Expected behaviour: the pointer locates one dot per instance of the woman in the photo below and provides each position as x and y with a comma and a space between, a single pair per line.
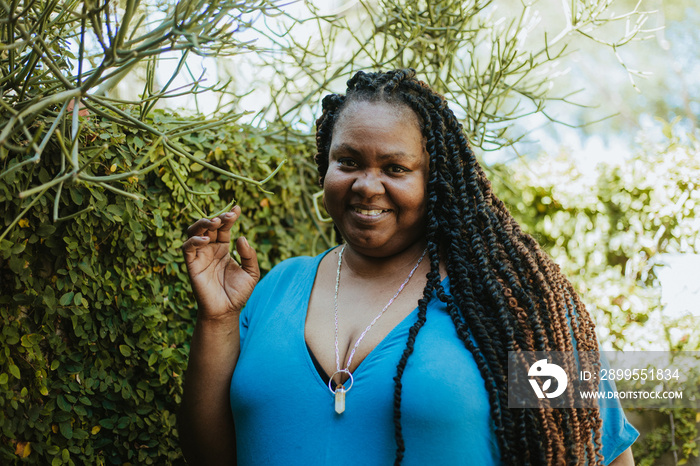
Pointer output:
331, 360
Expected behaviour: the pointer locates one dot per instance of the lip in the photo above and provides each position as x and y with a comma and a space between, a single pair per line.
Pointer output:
368, 213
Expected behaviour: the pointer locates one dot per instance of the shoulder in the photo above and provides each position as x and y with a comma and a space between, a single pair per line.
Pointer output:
294, 272
296, 266
288, 282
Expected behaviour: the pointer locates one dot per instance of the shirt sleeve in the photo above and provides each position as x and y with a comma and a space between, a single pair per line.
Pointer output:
243, 322
617, 433
249, 308
298, 268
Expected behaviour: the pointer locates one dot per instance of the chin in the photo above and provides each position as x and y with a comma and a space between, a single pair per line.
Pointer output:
377, 249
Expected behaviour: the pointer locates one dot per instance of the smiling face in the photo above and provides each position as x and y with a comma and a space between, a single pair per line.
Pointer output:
376, 184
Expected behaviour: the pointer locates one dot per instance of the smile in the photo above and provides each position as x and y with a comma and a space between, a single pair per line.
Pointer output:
371, 213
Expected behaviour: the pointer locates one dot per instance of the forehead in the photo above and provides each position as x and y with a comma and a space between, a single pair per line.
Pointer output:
375, 119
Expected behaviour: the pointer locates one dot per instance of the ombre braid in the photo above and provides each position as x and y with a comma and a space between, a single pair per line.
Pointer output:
506, 294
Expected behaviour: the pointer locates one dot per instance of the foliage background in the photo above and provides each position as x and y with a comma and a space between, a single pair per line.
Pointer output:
97, 310
94, 301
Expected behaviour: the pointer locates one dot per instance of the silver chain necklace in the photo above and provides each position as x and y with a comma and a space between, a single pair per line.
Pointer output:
340, 389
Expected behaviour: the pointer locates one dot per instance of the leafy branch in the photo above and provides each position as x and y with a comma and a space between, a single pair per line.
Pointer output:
41, 89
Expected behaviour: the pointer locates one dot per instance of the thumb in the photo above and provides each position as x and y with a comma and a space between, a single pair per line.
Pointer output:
249, 259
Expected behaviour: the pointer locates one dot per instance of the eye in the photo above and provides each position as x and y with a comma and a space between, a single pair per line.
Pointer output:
397, 169
347, 162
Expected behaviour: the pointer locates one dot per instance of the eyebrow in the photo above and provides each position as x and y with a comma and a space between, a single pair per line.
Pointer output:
345, 147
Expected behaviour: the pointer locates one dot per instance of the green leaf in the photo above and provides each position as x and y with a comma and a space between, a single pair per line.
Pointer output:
115, 210
62, 403
107, 423
14, 370
5, 247
30, 340
85, 267
16, 264
80, 410
125, 350
11, 335
76, 195
49, 297
152, 359
4, 378
66, 298
45, 230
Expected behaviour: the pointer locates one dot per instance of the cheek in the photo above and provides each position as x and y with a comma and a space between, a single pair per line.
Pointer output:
417, 195
419, 205
332, 190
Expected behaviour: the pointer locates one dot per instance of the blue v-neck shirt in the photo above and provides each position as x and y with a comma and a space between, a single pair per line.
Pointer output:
284, 412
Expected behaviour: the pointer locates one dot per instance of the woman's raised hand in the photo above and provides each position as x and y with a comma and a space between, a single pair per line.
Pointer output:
220, 285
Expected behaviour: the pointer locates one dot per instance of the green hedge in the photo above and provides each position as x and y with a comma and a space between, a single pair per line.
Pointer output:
96, 310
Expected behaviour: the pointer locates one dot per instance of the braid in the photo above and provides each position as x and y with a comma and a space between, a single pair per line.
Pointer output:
422, 310
506, 294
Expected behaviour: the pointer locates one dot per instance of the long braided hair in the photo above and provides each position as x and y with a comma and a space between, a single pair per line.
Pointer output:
506, 294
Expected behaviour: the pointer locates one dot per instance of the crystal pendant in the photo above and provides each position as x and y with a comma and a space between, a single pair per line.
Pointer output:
340, 399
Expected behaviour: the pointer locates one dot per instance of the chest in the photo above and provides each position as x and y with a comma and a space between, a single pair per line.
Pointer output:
360, 316
444, 407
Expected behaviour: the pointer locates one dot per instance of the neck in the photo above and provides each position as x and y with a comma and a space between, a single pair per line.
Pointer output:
370, 267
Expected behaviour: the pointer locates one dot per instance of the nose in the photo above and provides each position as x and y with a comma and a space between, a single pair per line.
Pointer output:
368, 184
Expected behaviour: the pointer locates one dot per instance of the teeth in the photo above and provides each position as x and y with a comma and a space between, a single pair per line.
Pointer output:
368, 212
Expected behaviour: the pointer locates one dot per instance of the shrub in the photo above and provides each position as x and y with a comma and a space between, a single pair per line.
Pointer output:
96, 309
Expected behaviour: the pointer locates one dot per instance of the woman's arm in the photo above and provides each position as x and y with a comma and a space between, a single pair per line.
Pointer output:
221, 287
625, 459
205, 423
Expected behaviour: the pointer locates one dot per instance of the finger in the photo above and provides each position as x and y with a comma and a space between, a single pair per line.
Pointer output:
249, 260
213, 229
205, 227
189, 248
227, 221
199, 228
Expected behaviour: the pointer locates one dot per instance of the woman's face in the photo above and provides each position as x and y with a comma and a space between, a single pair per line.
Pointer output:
376, 184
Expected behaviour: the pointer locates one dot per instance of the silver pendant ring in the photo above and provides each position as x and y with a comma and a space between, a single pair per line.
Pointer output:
342, 371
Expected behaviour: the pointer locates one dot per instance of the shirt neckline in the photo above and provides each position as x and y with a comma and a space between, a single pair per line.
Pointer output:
405, 322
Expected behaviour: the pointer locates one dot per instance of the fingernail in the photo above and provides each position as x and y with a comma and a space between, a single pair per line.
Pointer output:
245, 241
228, 214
